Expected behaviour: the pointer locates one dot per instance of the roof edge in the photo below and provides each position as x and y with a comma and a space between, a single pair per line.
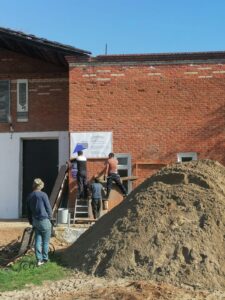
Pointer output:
150, 57
43, 42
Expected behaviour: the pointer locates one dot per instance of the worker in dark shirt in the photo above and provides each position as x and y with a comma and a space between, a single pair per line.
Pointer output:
39, 216
96, 197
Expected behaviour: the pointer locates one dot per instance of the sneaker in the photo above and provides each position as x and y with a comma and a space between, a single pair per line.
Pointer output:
40, 263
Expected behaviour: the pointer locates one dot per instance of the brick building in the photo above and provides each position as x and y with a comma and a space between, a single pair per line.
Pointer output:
34, 91
161, 108
157, 109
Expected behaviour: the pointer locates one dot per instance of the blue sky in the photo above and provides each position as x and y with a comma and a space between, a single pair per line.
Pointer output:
127, 26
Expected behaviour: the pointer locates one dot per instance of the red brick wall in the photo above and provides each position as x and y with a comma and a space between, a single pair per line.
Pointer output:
48, 92
153, 111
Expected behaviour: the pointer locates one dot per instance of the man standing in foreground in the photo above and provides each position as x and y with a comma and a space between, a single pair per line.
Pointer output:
112, 175
39, 216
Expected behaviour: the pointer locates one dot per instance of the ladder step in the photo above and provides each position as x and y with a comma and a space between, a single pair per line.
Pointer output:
81, 209
83, 219
82, 200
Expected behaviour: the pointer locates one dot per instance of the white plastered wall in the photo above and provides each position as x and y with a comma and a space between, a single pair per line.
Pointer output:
11, 167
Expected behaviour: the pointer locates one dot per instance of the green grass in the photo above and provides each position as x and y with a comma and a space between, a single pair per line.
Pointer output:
25, 273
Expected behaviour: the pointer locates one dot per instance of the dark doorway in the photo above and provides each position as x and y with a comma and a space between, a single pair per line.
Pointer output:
40, 160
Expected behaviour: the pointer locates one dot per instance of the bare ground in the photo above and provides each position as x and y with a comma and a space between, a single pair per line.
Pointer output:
189, 201
83, 287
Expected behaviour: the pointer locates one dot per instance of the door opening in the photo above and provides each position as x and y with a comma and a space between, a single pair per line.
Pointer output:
40, 160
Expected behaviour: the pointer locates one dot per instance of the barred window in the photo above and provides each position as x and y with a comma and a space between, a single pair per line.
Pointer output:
22, 100
4, 100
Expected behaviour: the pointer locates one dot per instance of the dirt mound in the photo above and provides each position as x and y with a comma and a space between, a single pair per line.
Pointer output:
171, 228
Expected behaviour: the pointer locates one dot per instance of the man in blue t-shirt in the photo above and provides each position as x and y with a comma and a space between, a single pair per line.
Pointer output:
39, 215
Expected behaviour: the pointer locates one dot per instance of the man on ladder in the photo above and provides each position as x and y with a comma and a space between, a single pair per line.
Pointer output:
81, 175
78, 167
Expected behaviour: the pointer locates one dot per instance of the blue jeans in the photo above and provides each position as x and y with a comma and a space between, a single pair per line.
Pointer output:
96, 206
42, 230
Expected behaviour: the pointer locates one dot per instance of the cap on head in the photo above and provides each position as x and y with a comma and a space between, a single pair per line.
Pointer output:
38, 184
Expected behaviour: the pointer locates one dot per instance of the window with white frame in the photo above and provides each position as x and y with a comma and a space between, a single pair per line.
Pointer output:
4, 101
124, 168
22, 100
186, 156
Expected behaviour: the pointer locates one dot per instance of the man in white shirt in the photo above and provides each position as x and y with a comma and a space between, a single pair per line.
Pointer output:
81, 175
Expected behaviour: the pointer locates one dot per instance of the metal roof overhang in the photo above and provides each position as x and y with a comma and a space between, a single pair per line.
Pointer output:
40, 48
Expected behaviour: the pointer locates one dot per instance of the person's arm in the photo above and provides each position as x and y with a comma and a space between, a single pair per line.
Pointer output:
106, 170
47, 206
68, 163
117, 162
91, 188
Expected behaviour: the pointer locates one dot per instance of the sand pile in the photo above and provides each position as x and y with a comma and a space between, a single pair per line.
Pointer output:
171, 228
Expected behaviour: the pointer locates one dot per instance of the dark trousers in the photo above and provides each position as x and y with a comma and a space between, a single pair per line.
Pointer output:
96, 206
113, 177
82, 185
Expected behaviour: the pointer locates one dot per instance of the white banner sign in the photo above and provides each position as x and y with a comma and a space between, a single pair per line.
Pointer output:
93, 144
